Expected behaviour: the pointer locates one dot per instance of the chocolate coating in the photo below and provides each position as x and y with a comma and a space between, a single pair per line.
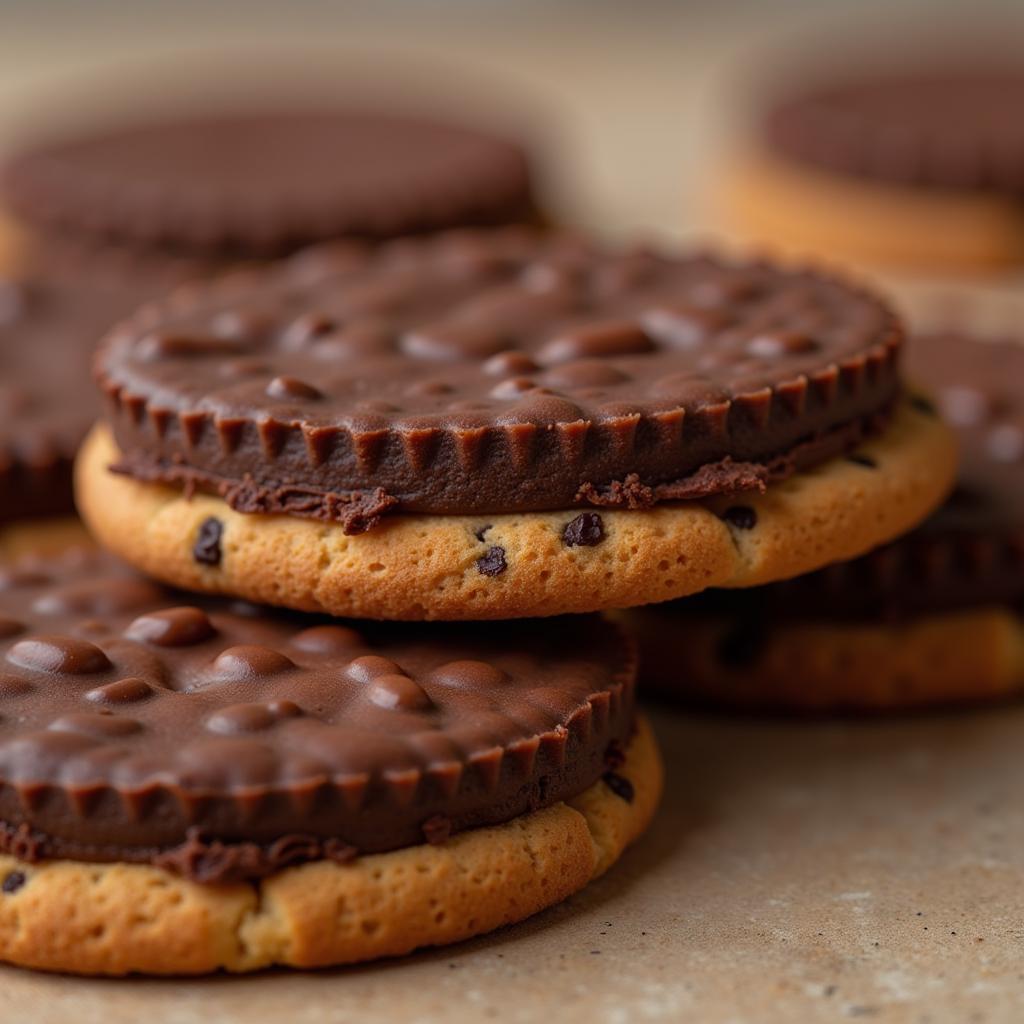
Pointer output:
262, 184
951, 128
50, 322
224, 740
495, 372
970, 552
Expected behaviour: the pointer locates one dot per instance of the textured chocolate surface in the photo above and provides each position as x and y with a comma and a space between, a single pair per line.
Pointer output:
270, 183
50, 323
968, 553
953, 129
495, 372
223, 741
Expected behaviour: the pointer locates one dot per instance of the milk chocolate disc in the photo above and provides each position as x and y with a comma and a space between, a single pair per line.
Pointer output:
970, 553
499, 371
945, 128
248, 184
226, 741
50, 322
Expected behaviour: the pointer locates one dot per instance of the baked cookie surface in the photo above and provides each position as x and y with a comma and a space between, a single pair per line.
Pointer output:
933, 618
922, 166
117, 918
530, 564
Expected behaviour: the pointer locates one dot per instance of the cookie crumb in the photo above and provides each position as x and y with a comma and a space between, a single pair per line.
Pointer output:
493, 562
13, 881
620, 786
586, 530
206, 550
743, 517
437, 829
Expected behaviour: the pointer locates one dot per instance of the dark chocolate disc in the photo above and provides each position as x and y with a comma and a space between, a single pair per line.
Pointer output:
970, 552
498, 371
249, 184
51, 320
143, 724
951, 128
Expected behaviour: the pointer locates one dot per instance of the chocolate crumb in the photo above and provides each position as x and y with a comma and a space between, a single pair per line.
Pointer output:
862, 460
743, 517
437, 829
586, 530
339, 852
620, 786
922, 404
13, 881
206, 550
493, 562
741, 646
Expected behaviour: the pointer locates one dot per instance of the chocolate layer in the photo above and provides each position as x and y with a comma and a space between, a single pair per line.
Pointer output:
951, 128
50, 322
248, 184
494, 372
970, 552
223, 740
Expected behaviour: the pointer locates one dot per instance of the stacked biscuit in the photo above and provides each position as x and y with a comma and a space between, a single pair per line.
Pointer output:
442, 458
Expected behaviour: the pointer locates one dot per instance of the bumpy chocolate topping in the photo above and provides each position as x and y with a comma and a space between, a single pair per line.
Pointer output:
943, 128
223, 740
495, 372
968, 553
50, 322
269, 183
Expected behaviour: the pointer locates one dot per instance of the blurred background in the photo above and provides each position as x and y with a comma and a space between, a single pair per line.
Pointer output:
629, 104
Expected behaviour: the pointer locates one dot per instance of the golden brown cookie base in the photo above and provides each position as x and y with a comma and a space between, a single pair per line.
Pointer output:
426, 567
42, 537
128, 918
956, 658
806, 212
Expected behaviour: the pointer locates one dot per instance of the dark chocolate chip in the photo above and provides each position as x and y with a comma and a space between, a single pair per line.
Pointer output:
922, 404
743, 517
620, 786
13, 881
586, 530
493, 562
206, 550
741, 646
437, 829
862, 460
614, 756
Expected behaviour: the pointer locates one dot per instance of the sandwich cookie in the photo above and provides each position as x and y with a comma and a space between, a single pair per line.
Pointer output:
502, 424
50, 322
187, 786
243, 185
934, 618
922, 168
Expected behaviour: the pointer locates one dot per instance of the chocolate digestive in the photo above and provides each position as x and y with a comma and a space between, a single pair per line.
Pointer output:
953, 128
971, 551
495, 372
268, 183
50, 321
225, 741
